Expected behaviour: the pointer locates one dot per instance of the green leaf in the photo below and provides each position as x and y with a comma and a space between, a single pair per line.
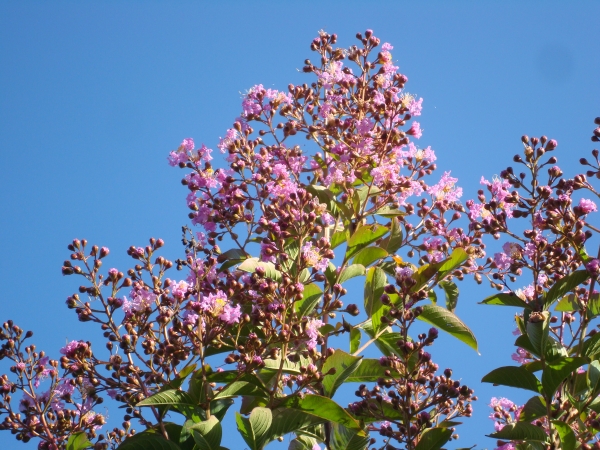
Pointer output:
344, 365
354, 339
369, 370
78, 441
394, 241
385, 341
242, 388
310, 297
323, 409
567, 437
555, 373
524, 342
147, 440
251, 264
173, 397
504, 299
520, 431
451, 291
433, 438
537, 332
325, 195
458, 256
353, 270
255, 429
567, 304
231, 257
302, 443
591, 347
389, 212
344, 439
564, 285
533, 409
207, 434
593, 306
363, 236
447, 321
423, 274
369, 255
513, 376
594, 377
338, 238
376, 281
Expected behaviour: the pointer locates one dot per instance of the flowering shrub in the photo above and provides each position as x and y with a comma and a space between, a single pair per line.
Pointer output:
260, 318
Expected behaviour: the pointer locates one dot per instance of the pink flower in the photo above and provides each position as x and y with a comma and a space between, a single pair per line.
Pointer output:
179, 289
69, 349
521, 356
415, 107
313, 258
445, 189
415, 130
231, 314
312, 331
187, 144
587, 206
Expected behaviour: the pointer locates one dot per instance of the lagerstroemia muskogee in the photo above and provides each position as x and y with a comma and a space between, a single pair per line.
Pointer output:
324, 183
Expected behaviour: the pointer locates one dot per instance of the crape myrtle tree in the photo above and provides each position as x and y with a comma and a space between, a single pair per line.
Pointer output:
260, 311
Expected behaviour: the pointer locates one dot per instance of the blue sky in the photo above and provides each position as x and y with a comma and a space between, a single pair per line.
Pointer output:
93, 95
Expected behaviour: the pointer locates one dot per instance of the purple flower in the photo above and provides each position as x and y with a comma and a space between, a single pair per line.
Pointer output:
231, 314
593, 267
587, 206
69, 349
312, 331
415, 130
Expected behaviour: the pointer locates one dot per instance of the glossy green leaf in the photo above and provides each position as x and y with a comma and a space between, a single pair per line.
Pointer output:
231, 257
255, 429
504, 299
355, 336
353, 270
376, 281
322, 408
537, 332
303, 443
170, 397
567, 437
535, 408
78, 441
449, 322
594, 377
343, 365
147, 440
513, 376
342, 438
568, 303
591, 347
520, 431
207, 435
593, 306
369, 255
338, 238
242, 388
251, 264
433, 438
385, 341
325, 195
394, 241
310, 298
363, 236
451, 292
524, 342
565, 285
456, 259
369, 370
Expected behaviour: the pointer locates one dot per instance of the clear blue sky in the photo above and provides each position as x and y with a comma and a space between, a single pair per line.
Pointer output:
94, 94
